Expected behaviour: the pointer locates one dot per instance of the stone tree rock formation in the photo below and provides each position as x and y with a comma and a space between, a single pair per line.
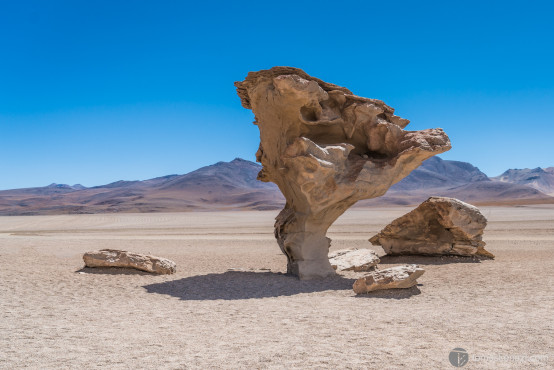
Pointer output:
326, 148
438, 226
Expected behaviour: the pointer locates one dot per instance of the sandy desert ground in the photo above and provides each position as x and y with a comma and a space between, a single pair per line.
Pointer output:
55, 314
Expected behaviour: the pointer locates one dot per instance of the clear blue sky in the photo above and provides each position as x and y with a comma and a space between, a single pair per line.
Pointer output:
96, 91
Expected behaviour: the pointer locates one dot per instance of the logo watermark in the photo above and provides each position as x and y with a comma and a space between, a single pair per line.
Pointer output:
459, 357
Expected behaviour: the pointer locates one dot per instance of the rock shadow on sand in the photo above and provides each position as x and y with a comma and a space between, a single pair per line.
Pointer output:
392, 293
112, 271
427, 260
234, 285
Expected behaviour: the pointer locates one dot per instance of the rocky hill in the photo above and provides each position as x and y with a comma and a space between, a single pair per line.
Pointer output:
541, 179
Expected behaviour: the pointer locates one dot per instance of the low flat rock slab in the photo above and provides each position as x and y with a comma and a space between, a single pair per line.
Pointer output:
353, 259
118, 258
438, 226
398, 277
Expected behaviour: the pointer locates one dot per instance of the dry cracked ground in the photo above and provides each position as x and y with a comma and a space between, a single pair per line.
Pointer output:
56, 314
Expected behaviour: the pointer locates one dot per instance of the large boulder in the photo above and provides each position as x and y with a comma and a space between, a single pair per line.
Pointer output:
438, 226
392, 278
326, 148
118, 258
353, 260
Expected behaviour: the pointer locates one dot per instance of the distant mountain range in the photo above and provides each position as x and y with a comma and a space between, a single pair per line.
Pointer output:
538, 178
459, 180
233, 185
224, 185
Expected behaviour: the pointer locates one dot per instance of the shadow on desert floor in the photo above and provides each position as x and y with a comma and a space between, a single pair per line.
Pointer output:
427, 260
392, 293
111, 271
245, 285
234, 285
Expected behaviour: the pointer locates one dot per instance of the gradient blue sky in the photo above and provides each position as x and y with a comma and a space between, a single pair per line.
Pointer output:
96, 91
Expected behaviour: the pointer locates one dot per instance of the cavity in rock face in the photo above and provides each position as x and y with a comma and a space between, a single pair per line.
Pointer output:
326, 148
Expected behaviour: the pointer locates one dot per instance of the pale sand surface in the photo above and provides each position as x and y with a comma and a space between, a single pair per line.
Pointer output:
52, 316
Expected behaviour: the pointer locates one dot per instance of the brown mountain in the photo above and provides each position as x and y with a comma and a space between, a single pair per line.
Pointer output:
233, 185
224, 185
461, 180
541, 179
438, 173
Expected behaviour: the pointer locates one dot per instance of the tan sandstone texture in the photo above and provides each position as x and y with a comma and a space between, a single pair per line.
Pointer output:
392, 278
326, 148
117, 258
438, 226
353, 259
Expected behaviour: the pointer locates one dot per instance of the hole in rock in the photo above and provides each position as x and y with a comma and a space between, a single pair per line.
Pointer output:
309, 114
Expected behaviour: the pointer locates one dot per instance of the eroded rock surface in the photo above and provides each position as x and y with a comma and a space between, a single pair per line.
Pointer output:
392, 278
118, 258
326, 148
438, 226
353, 260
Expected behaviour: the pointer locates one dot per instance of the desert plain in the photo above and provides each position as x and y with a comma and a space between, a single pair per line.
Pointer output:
230, 305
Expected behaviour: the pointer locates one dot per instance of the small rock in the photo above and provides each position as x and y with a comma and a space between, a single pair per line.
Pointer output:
353, 259
118, 258
392, 278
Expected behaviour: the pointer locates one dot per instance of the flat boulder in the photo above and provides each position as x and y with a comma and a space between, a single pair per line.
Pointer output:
119, 258
397, 277
353, 259
438, 226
